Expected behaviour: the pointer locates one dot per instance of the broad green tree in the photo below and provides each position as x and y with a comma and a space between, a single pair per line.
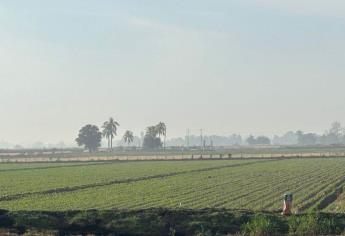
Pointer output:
152, 131
151, 141
90, 137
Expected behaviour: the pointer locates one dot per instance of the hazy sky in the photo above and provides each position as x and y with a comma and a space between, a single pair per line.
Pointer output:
228, 66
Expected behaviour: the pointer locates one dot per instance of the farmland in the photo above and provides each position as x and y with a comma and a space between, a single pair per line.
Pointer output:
339, 204
218, 184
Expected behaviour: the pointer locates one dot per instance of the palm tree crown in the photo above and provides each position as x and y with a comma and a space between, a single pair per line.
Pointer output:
110, 130
128, 137
161, 129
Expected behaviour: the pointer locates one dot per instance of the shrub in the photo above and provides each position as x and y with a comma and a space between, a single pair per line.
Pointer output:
85, 219
35, 220
262, 225
313, 224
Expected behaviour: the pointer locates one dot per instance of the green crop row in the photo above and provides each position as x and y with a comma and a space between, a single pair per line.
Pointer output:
258, 185
25, 180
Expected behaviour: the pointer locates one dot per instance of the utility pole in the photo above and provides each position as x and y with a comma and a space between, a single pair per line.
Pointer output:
187, 137
201, 140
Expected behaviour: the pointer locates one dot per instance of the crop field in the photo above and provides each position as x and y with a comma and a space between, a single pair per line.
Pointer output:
231, 184
338, 205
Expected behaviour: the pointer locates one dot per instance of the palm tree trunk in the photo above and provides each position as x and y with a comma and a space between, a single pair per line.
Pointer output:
111, 143
164, 141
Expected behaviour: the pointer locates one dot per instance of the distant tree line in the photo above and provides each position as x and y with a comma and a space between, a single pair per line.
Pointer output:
154, 137
209, 140
90, 136
261, 140
334, 136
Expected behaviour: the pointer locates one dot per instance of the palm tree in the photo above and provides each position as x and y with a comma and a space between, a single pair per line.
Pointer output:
128, 137
109, 131
161, 129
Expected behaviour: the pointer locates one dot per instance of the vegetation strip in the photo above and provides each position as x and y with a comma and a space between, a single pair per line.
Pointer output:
56, 167
168, 157
161, 221
93, 185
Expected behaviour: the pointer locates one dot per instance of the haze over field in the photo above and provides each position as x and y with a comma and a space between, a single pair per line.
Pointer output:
259, 66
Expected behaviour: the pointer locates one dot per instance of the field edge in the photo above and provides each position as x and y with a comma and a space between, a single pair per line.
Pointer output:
160, 221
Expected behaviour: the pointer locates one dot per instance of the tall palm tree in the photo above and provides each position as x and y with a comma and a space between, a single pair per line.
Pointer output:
109, 131
128, 137
162, 130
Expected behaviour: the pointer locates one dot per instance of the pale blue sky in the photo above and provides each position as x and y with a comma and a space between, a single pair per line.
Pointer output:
228, 66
